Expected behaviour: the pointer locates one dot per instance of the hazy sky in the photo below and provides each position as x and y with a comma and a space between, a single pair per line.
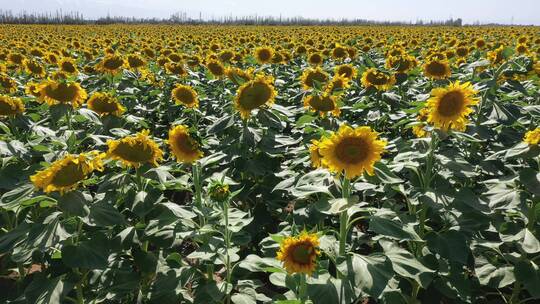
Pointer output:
501, 11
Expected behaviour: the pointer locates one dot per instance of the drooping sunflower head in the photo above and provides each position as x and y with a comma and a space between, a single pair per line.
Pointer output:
437, 69
346, 70
54, 92
239, 76
323, 104
105, 104
11, 106
135, 61
496, 56
449, 107
7, 84
352, 151
67, 173
299, 253
264, 54
176, 68
15, 58
254, 94
338, 85
532, 137
380, 80
111, 64
68, 66
185, 95
314, 153
215, 67
135, 150
419, 129
183, 145
311, 77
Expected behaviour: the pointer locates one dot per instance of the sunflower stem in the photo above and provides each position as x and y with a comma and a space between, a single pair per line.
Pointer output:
344, 217
302, 288
227, 245
196, 171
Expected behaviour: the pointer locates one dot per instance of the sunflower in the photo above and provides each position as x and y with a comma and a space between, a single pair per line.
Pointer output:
315, 59
253, 94
176, 68
323, 104
401, 64
346, 70
449, 107
351, 150
135, 62
7, 84
215, 67
53, 92
338, 84
184, 147
339, 52
418, 129
312, 76
532, 137
314, 153
111, 63
10, 106
32, 88
185, 95
67, 173
378, 79
105, 104
135, 150
496, 56
264, 54
239, 76
437, 69
299, 253
34, 68
68, 66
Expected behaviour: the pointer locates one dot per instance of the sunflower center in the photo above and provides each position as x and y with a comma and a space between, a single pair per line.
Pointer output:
264, 54
451, 103
324, 104
255, 95
185, 96
185, 143
62, 92
216, 68
302, 253
68, 67
68, 175
315, 76
135, 152
345, 71
105, 105
436, 68
5, 108
352, 150
112, 63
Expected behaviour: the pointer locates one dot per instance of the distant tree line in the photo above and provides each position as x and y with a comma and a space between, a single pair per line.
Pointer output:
59, 17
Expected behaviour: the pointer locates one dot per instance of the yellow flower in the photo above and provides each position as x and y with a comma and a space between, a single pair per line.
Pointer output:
315, 59
237, 75
135, 150
135, 62
10, 106
310, 76
352, 151
34, 68
378, 79
53, 92
532, 137
111, 64
68, 66
437, 69
418, 129
299, 253
496, 56
185, 95
338, 84
253, 94
264, 54
323, 104
32, 88
314, 153
7, 84
105, 104
216, 68
449, 107
184, 147
65, 174
176, 68
346, 70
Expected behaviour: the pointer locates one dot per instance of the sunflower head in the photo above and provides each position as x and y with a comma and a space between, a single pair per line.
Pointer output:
67, 173
449, 107
184, 145
34, 68
135, 150
496, 56
264, 54
68, 66
323, 104
219, 191
378, 79
299, 253
185, 95
315, 59
352, 151
239, 76
312, 76
437, 69
7, 84
111, 64
11, 106
314, 153
215, 67
54, 92
105, 104
176, 68
338, 85
418, 129
135, 61
532, 137
254, 94
32, 89
346, 70
339, 52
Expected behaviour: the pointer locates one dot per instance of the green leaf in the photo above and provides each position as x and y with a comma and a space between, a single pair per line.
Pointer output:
530, 242
531, 180
89, 254
43, 290
405, 264
528, 273
392, 229
451, 245
104, 214
368, 273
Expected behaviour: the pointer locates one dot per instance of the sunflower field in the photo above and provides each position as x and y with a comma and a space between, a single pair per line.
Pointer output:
269, 164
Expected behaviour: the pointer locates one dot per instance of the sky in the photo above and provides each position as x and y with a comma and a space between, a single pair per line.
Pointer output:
485, 11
